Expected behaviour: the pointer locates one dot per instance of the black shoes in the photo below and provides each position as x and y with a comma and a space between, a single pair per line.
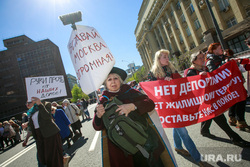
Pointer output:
209, 135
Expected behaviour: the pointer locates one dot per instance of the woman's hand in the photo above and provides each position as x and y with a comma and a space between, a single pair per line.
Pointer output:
125, 108
36, 100
100, 110
203, 73
167, 78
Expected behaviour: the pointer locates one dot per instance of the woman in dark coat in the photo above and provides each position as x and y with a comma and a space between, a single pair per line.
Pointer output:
46, 133
215, 60
141, 104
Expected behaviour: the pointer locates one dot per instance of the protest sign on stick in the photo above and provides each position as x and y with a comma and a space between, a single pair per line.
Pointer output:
45, 87
186, 101
90, 56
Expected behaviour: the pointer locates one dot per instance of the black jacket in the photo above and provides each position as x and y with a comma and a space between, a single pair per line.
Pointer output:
214, 62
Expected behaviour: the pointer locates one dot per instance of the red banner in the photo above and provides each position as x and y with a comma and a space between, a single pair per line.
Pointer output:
186, 101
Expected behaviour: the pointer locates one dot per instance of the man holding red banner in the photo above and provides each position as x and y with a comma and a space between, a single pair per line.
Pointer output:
186, 101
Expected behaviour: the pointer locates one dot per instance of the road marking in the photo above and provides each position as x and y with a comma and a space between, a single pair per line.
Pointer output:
93, 144
7, 162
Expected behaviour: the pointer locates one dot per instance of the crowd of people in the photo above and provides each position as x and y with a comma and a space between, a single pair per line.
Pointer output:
163, 69
52, 124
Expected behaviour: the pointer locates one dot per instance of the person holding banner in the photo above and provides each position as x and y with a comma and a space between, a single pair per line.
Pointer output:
215, 59
134, 103
46, 133
163, 69
236, 113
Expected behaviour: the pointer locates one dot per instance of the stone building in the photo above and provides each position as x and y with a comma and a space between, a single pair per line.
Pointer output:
185, 26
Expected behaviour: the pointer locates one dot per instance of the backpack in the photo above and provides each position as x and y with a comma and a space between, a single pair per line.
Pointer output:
128, 133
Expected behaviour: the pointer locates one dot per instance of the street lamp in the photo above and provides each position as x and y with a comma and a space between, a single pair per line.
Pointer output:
71, 18
132, 70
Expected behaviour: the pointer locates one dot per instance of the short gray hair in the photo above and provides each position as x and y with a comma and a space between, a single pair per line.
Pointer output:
107, 78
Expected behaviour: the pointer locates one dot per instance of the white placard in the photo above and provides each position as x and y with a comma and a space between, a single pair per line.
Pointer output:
90, 56
45, 87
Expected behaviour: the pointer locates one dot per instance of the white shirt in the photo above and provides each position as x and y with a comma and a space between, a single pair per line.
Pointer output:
35, 120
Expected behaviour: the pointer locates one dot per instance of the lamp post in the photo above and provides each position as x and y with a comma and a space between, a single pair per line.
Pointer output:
217, 29
72, 18
132, 70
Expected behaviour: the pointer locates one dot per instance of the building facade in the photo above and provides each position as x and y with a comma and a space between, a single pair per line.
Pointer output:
72, 81
185, 26
25, 58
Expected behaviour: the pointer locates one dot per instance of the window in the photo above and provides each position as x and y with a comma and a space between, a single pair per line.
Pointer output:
176, 25
223, 4
171, 13
178, 5
197, 24
188, 31
183, 19
231, 22
181, 39
248, 12
192, 46
191, 8
238, 44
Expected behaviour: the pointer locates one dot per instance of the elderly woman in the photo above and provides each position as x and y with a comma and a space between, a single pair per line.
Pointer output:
73, 112
133, 101
46, 133
163, 69
215, 59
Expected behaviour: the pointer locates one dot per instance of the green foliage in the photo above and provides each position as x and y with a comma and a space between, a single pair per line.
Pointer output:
138, 76
78, 94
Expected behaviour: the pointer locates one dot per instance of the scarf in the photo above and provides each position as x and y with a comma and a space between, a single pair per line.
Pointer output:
32, 110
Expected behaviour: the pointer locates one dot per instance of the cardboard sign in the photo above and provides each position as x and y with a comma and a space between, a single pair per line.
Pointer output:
90, 56
45, 87
186, 101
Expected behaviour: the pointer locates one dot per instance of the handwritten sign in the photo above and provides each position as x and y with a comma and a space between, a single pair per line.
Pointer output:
90, 56
45, 87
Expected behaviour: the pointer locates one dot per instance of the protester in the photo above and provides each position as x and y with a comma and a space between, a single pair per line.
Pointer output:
16, 128
80, 106
73, 112
46, 133
1, 137
25, 123
163, 69
215, 59
237, 111
55, 104
63, 123
140, 104
9, 133
198, 68
85, 108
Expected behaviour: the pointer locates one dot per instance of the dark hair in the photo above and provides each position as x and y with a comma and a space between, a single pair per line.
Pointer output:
230, 53
212, 47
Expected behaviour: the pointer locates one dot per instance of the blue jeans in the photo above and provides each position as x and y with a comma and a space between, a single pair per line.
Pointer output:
181, 135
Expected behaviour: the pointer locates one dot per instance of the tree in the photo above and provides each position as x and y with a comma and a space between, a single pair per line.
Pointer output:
78, 94
138, 76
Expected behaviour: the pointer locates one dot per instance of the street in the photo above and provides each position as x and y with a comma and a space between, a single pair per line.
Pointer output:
217, 152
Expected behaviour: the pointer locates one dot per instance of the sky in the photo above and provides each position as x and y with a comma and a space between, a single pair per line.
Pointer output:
115, 21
